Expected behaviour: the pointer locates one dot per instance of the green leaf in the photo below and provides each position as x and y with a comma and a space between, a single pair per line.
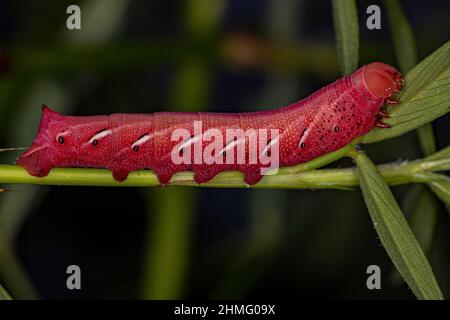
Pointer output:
402, 36
440, 155
422, 212
406, 53
4, 295
428, 165
425, 97
426, 139
441, 187
423, 215
345, 17
420, 204
394, 232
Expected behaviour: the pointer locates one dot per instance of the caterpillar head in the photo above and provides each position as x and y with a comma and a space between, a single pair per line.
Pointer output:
381, 80
50, 144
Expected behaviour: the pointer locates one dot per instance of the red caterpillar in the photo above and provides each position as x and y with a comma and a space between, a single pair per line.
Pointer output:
323, 122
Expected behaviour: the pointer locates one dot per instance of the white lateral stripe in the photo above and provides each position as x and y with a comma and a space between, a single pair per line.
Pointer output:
190, 141
62, 134
141, 140
316, 118
232, 144
275, 140
305, 135
100, 135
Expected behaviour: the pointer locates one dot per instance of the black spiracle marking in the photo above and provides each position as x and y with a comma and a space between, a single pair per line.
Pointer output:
95, 141
61, 140
268, 153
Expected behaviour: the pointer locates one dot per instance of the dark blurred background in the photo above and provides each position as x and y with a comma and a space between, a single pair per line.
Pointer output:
193, 55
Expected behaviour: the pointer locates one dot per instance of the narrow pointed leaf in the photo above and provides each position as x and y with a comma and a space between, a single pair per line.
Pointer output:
406, 52
422, 211
426, 139
402, 36
444, 153
441, 187
395, 233
345, 17
423, 216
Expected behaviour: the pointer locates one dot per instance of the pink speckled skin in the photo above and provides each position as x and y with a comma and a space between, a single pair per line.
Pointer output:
323, 122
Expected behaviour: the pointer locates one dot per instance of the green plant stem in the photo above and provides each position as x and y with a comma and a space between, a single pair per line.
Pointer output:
394, 174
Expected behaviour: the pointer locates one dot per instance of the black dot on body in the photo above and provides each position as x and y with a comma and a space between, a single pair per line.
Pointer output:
95, 142
336, 129
60, 139
302, 145
135, 148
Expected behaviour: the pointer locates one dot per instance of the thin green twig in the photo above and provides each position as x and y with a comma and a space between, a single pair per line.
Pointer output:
394, 174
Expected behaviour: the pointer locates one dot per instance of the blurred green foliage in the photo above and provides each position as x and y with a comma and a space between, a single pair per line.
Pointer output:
315, 240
